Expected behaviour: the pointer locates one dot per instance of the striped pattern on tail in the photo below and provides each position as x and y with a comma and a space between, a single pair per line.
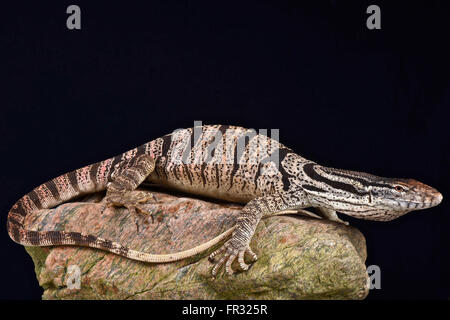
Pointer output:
89, 179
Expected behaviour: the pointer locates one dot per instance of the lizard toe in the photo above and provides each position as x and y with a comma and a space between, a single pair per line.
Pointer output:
144, 211
241, 261
217, 265
251, 253
230, 260
212, 256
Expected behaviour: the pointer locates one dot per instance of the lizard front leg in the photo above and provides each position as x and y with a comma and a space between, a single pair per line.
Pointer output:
331, 215
239, 244
129, 175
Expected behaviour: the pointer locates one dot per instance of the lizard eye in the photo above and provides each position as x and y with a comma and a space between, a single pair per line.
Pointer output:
399, 188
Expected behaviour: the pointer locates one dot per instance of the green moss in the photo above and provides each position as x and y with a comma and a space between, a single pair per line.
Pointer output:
38, 255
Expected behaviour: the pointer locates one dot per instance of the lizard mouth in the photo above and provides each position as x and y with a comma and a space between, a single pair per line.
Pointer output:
378, 215
428, 202
417, 202
437, 199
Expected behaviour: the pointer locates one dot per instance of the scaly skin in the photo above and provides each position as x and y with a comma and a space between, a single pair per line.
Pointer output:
228, 163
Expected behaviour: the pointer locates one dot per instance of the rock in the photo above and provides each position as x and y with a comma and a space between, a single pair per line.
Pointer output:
299, 257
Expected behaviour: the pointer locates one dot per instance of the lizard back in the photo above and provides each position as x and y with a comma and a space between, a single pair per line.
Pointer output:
224, 162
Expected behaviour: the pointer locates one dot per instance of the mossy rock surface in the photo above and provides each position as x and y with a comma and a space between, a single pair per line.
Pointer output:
299, 257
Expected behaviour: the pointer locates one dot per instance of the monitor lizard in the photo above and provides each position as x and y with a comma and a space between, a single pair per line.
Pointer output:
223, 162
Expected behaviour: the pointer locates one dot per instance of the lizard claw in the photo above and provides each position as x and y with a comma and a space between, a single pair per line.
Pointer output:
230, 255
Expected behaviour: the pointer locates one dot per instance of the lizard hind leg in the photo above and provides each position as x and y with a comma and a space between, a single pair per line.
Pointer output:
120, 192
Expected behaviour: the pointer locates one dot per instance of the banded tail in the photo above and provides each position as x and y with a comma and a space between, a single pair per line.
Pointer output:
89, 179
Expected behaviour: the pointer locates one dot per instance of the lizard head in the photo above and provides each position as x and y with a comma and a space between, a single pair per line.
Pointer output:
400, 196
367, 196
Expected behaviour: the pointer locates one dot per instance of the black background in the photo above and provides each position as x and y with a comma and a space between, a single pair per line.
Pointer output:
342, 95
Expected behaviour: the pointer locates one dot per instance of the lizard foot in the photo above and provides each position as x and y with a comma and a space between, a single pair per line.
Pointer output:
132, 200
230, 254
